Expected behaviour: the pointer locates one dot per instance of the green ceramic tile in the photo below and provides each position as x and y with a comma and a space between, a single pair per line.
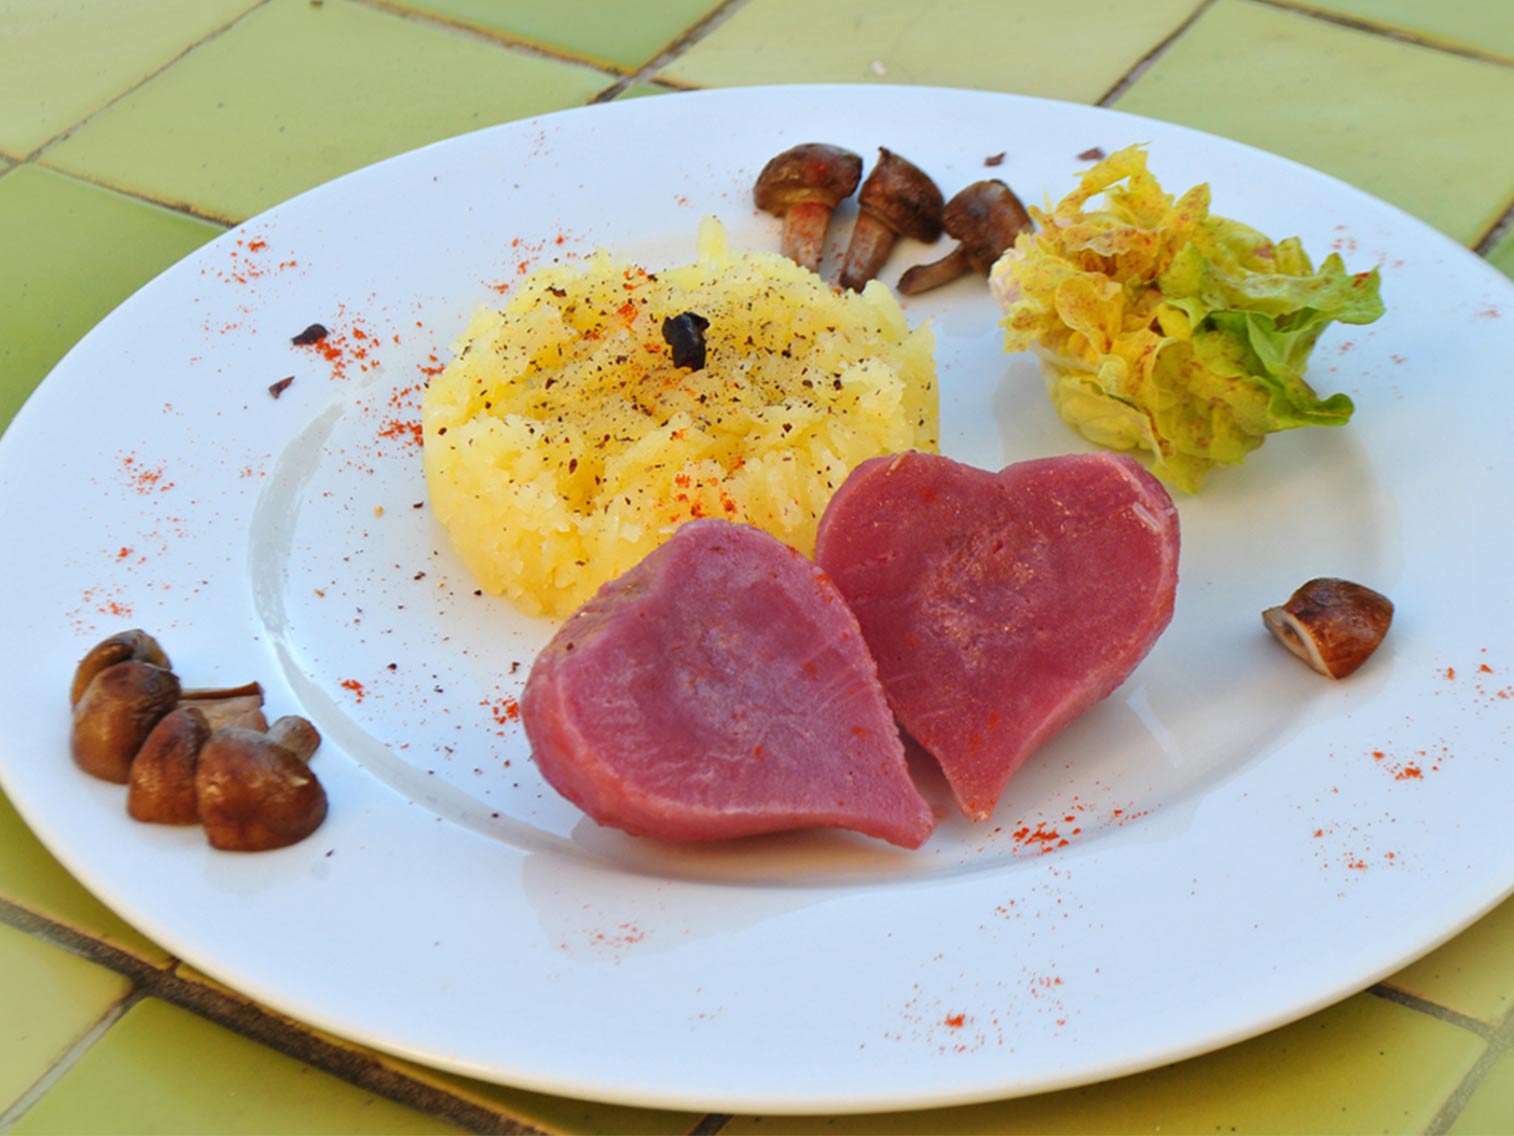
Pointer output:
982, 44
606, 32
1501, 255
32, 878
1485, 26
1490, 1110
164, 1070
296, 94
59, 63
72, 253
1366, 1065
49, 999
1473, 974
558, 1115
1407, 123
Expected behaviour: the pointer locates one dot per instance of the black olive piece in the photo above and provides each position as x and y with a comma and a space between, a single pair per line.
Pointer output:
685, 335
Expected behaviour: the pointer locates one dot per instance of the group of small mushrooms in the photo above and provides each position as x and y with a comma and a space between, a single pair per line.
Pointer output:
806, 183
187, 756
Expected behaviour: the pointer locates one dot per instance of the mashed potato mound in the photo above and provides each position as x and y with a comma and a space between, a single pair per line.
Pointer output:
562, 445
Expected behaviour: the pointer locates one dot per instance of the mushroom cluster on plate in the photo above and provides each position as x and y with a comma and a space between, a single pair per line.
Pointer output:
804, 185
193, 756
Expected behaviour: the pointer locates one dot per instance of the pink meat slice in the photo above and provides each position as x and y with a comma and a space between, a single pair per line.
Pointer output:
721, 688
1001, 606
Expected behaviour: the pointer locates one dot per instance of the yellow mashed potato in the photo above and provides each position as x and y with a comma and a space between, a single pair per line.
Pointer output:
562, 445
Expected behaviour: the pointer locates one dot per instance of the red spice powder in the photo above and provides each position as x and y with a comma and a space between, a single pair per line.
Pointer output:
406, 430
344, 349
503, 710
955, 1021
248, 265
1039, 837
357, 689
142, 478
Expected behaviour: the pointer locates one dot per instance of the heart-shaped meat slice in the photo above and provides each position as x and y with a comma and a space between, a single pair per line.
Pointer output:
1000, 606
720, 688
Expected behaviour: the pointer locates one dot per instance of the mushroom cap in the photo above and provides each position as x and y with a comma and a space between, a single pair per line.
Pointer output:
116, 712
811, 171
903, 197
1334, 625
123, 645
985, 217
255, 794
160, 788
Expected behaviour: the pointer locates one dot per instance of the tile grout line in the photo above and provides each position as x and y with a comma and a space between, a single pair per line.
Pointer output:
70, 1057
484, 35
1499, 1045
675, 47
341, 1060
1143, 64
1497, 1041
1390, 993
1387, 32
182, 208
711, 1124
1501, 227
213, 34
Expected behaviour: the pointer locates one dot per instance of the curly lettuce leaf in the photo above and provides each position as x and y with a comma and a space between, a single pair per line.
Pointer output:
1169, 330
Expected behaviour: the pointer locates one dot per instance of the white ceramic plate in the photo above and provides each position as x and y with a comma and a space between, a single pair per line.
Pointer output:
1228, 843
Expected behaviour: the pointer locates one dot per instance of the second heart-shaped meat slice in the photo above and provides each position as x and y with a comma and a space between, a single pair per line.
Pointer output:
1001, 606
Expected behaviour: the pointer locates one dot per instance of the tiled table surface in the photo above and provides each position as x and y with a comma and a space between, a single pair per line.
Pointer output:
132, 131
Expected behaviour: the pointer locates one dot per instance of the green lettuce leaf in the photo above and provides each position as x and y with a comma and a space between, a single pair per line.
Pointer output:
1168, 330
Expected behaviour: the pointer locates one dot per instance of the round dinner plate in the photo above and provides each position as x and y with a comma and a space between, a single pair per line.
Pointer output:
1227, 843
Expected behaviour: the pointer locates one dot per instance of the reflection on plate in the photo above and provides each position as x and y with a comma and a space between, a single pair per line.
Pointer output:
1226, 801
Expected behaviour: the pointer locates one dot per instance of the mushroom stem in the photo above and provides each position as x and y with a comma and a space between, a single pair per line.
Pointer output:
872, 241
924, 277
803, 236
228, 705
295, 734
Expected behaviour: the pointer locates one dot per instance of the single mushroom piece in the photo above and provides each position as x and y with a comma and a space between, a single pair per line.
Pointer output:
228, 705
803, 185
161, 786
255, 791
123, 645
986, 217
117, 710
897, 200
1333, 625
